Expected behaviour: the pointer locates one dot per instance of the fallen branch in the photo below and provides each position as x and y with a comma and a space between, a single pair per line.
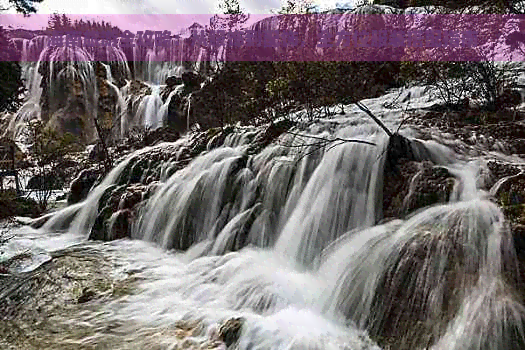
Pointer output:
376, 119
322, 143
332, 140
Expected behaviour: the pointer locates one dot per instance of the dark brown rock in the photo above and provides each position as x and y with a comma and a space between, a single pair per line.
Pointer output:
120, 225
413, 186
230, 331
173, 81
81, 186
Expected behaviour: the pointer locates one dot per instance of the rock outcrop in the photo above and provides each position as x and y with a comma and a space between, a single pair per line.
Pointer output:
416, 185
82, 184
411, 181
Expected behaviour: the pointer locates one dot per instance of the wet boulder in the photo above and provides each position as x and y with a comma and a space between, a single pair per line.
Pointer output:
230, 331
401, 320
270, 134
164, 134
510, 195
81, 185
97, 153
497, 170
119, 206
138, 88
119, 225
173, 81
177, 113
415, 185
191, 80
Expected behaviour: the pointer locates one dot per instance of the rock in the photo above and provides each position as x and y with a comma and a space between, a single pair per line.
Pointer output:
230, 331
508, 98
173, 81
518, 234
511, 197
81, 186
120, 225
191, 80
118, 210
58, 287
401, 320
176, 119
165, 134
400, 148
138, 88
272, 132
501, 130
413, 186
499, 170
73, 119
87, 295
97, 153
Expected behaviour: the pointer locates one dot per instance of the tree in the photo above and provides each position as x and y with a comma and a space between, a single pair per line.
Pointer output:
47, 150
234, 19
21, 6
54, 23
231, 7
12, 86
457, 82
10, 70
484, 6
298, 7
65, 21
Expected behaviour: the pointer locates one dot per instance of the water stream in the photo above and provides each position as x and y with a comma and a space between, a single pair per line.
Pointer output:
291, 239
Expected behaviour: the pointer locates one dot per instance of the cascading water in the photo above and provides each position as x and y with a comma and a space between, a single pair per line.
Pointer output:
289, 237
62, 84
149, 109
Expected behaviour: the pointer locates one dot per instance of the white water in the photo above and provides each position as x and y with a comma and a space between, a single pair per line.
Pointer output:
311, 267
74, 64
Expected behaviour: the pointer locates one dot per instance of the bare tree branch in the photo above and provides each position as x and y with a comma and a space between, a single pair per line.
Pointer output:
332, 140
376, 119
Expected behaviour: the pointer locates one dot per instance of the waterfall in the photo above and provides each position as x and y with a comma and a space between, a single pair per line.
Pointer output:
63, 78
149, 109
188, 113
290, 236
340, 196
121, 108
79, 218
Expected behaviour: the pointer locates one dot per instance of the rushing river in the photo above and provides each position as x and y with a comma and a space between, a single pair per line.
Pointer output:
316, 268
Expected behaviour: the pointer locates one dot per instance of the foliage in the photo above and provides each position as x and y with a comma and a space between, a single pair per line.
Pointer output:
234, 19
11, 88
21, 6
13, 205
486, 6
457, 82
47, 150
313, 85
259, 92
299, 7
231, 7
62, 24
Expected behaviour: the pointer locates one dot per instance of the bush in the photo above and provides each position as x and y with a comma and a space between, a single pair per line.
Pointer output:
13, 205
455, 83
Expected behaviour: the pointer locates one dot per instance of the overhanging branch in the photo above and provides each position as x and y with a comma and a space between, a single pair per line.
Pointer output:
376, 119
